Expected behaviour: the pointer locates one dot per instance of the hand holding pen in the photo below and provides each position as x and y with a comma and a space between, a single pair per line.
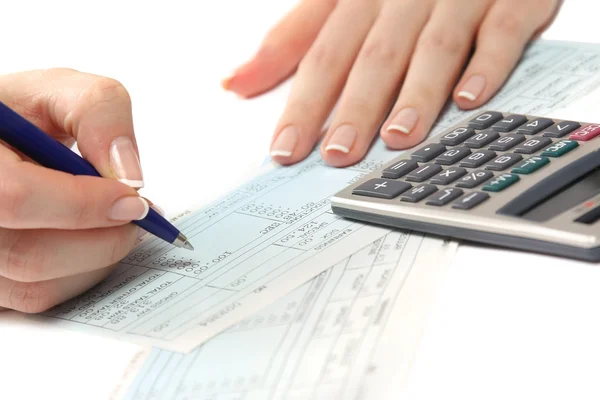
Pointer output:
63, 224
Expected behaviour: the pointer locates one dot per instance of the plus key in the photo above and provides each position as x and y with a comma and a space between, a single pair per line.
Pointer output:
586, 133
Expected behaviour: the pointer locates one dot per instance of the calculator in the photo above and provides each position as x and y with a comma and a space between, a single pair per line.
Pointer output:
514, 181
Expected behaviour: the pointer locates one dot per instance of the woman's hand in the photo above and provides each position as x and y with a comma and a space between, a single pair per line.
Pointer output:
59, 233
365, 52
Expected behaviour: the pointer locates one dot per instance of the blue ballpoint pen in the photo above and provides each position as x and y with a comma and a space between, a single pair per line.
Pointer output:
49, 152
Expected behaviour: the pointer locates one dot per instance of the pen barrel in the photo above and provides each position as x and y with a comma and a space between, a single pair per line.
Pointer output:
22, 135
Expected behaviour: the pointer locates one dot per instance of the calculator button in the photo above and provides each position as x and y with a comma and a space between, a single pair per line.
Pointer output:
481, 139
452, 156
507, 142
530, 165
509, 123
501, 182
444, 196
586, 133
533, 145
560, 148
457, 136
477, 159
473, 179
429, 152
382, 188
485, 120
418, 193
448, 176
423, 173
470, 200
561, 129
504, 161
535, 126
399, 169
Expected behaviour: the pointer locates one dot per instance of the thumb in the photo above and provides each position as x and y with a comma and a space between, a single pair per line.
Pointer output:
96, 111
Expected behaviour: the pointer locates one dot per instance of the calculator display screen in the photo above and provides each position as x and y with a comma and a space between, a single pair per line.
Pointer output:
570, 196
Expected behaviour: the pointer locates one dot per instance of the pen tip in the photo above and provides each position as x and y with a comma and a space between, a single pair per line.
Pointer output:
188, 245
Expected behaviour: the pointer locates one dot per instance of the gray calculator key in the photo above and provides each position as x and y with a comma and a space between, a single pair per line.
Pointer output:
561, 129
429, 152
474, 178
507, 142
452, 156
470, 200
457, 136
448, 176
418, 193
444, 196
423, 173
477, 159
482, 139
535, 126
485, 120
382, 188
509, 123
532, 145
399, 169
504, 161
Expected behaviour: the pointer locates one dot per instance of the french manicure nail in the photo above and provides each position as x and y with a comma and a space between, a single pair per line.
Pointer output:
404, 121
472, 88
125, 163
130, 208
285, 142
342, 139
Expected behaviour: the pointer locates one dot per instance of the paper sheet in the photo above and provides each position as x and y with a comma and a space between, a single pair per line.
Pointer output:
277, 232
329, 339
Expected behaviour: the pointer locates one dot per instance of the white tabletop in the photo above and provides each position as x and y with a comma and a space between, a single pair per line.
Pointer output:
506, 325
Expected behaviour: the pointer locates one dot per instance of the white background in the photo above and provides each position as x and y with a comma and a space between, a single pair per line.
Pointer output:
503, 327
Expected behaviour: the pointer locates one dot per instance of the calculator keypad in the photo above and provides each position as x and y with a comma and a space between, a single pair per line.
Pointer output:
467, 165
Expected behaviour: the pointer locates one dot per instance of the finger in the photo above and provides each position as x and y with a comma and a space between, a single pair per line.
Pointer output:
373, 81
320, 79
281, 50
94, 110
503, 35
441, 51
38, 255
34, 197
37, 297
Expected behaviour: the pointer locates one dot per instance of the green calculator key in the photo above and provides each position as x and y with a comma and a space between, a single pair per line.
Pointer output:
501, 182
530, 165
560, 148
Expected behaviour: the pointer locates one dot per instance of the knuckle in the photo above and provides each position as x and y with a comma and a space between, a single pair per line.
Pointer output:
358, 108
380, 52
30, 298
13, 195
104, 89
320, 57
83, 206
23, 262
508, 23
444, 40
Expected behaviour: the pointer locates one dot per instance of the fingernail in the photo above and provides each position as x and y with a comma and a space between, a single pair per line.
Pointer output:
130, 208
342, 139
125, 162
285, 142
472, 87
404, 121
